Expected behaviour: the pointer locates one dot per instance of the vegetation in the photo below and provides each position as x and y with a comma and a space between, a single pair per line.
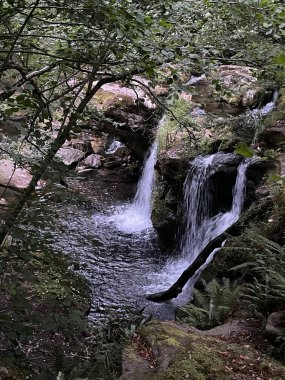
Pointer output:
212, 306
56, 55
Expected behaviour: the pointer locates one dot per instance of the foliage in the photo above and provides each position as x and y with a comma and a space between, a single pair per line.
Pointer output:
267, 290
211, 307
43, 324
244, 150
173, 122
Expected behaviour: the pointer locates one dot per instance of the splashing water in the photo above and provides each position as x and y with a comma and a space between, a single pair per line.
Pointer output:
265, 110
136, 217
115, 145
200, 228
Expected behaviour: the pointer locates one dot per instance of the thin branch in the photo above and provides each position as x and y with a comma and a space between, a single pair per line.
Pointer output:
21, 30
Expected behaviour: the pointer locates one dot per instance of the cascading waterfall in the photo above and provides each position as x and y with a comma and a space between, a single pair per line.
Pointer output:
199, 226
258, 113
204, 229
137, 216
142, 200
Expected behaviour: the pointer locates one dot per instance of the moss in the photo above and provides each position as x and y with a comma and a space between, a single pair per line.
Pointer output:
107, 99
186, 355
199, 364
172, 342
160, 211
131, 354
168, 131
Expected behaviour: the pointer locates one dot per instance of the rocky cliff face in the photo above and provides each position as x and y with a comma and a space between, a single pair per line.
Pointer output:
231, 125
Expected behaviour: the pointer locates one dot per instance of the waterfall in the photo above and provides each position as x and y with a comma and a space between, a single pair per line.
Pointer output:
142, 200
258, 113
199, 227
136, 217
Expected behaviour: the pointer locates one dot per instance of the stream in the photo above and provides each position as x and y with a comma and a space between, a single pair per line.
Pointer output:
118, 263
111, 240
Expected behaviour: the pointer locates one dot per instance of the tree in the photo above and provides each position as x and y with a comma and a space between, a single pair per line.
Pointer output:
56, 55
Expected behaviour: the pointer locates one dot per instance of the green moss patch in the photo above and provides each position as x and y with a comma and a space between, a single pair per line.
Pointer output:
200, 357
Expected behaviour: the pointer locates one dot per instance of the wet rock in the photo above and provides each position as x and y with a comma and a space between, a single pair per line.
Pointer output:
274, 136
112, 162
262, 191
94, 161
70, 156
18, 179
275, 323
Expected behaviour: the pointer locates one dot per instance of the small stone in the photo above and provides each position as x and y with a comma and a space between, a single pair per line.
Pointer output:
94, 161
3, 202
275, 323
3, 371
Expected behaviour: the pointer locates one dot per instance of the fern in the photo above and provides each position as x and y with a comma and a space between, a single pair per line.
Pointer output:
266, 292
212, 307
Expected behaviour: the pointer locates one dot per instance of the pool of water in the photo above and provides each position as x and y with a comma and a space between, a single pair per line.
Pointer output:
120, 267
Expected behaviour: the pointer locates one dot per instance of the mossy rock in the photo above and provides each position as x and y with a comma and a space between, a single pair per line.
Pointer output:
168, 351
106, 99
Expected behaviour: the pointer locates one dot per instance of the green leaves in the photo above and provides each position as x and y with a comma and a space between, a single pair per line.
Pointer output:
244, 150
280, 60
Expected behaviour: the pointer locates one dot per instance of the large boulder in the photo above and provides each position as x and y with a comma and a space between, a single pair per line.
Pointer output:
168, 351
18, 178
243, 87
70, 156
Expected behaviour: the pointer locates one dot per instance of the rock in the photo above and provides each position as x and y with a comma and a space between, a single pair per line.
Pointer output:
19, 179
167, 350
276, 323
242, 84
262, 191
282, 165
70, 156
186, 97
94, 161
3, 371
83, 169
114, 94
3, 202
112, 162
161, 91
98, 144
274, 136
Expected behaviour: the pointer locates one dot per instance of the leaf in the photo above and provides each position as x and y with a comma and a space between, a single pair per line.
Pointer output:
244, 150
280, 60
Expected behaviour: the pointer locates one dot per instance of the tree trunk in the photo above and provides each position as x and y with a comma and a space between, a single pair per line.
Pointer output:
177, 287
56, 145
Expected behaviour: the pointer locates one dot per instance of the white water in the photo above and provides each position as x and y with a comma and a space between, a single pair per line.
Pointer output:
194, 80
265, 110
200, 227
115, 145
136, 217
